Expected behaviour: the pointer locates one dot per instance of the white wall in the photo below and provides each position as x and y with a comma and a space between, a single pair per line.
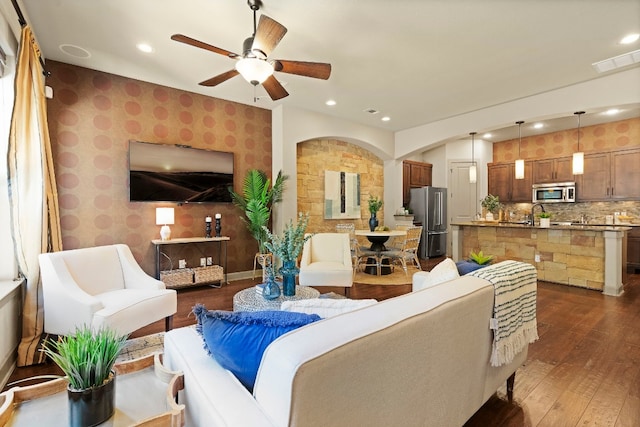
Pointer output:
8, 269
611, 89
291, 126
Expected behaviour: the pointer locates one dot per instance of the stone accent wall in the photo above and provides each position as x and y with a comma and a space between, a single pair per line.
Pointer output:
319, 155
567, 256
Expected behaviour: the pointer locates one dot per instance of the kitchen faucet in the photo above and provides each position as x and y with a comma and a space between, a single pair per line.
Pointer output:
533, 220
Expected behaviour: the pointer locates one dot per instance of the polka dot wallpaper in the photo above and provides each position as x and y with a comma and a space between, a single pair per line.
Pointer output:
92, 117
604, 137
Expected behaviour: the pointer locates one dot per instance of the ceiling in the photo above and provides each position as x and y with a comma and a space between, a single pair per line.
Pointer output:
416, 61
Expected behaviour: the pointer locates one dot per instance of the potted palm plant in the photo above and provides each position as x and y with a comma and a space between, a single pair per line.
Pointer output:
287, 247
87, 358
256, 201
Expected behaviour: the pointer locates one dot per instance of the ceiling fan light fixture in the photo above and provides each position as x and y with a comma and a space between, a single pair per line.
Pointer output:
254, 70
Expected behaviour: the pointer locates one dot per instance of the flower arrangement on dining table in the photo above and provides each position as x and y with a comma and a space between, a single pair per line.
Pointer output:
374, 204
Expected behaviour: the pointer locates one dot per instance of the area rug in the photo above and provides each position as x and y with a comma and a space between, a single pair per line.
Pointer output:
135, 348
398, 277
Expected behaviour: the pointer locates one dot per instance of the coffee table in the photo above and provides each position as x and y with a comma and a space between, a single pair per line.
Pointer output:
249, 300
145, 395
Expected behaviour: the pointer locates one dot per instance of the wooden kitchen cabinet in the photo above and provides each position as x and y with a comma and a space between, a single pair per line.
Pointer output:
414, 175
633, 250
595, 183
553, 170
625, 174
610, 176
502, 182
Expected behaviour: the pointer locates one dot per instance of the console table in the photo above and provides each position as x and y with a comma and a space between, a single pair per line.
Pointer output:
221, 241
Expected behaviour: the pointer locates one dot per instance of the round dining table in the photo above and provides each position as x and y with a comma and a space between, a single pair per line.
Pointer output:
378, 239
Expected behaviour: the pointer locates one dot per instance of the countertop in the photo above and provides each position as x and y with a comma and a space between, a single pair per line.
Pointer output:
592, 227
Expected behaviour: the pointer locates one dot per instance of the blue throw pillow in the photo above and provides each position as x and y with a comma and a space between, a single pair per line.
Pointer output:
236, 340
465, 267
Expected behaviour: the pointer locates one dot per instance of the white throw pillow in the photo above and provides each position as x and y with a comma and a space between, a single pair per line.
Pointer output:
443, 272
325, 307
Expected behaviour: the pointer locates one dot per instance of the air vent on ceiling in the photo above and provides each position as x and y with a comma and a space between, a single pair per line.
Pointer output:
619, 61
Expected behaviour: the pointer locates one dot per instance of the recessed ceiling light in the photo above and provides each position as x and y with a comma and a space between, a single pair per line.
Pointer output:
631, 38
330, 102
385, 118
144, 47
538, 126
487, 135
612, 111
75, 51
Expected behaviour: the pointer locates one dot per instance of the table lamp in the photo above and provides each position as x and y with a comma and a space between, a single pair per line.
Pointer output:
164, 217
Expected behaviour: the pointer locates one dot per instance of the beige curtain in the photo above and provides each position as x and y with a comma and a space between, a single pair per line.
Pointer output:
33, 197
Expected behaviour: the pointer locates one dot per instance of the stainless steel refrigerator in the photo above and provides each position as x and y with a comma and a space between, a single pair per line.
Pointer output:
429, 206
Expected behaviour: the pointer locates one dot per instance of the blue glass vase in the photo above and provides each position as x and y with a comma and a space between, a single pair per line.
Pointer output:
289, 272
271, 289
373, 221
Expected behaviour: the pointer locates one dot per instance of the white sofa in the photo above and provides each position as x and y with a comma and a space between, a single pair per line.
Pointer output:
418, 359
101, 286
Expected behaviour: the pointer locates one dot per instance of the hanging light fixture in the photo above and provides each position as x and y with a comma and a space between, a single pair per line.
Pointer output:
473, 170
519, 162
578, 157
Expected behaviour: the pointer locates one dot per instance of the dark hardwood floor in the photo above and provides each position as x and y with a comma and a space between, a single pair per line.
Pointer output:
583, 371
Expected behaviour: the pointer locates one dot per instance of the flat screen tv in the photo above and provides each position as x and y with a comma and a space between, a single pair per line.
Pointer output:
178, 173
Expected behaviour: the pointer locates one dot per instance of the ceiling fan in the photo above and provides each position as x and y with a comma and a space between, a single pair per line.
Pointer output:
253, 64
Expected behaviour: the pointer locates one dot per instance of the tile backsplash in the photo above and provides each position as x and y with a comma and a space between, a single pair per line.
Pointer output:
594, 212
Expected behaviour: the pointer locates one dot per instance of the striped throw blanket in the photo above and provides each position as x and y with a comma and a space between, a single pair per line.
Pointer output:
514, 309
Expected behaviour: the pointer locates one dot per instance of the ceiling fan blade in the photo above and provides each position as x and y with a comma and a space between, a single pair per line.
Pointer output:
213, 81
202, 45
274, 88
317, 70
268, 35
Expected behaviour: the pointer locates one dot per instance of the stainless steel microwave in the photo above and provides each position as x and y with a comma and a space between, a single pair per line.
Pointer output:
563, 192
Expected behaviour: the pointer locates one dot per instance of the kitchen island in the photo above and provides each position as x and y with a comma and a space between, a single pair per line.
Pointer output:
587, 256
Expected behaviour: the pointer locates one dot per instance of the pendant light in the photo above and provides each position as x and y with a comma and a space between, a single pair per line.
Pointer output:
578, 157
519, 162
473, 170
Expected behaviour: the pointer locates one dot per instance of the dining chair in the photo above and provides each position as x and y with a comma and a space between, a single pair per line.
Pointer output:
408, 250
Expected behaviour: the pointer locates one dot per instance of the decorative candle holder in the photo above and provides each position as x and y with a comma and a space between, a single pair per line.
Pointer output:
218, 226
207, 229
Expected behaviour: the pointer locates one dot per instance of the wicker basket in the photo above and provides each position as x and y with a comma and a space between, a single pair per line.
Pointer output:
211, 273
177, 278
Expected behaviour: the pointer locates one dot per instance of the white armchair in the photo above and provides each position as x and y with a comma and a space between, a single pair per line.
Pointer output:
326, 261
101, 286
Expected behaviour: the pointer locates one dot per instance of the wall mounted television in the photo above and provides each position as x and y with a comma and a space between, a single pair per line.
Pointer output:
178, 173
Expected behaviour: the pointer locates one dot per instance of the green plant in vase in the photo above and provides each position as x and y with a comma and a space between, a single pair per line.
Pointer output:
374, 206
480, 258
492, 204
256, 201
87, 358
287, 246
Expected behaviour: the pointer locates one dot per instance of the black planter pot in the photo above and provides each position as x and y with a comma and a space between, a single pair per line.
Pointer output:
92, 406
